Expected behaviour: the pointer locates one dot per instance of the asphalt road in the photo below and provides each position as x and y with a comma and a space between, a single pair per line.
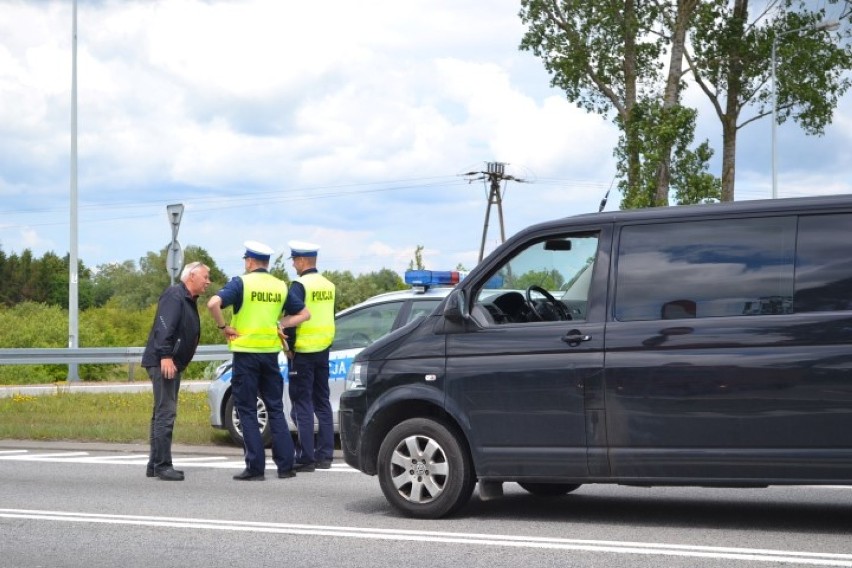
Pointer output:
70, 504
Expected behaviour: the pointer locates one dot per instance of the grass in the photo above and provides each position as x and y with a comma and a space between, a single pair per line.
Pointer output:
108, 417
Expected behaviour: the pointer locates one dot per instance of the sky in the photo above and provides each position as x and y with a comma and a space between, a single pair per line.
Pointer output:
347, 124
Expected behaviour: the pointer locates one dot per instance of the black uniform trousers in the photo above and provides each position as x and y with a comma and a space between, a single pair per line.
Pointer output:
257, 374
309, 393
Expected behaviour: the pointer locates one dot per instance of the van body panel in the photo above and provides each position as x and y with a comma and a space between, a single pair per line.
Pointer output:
715, 399
522, 391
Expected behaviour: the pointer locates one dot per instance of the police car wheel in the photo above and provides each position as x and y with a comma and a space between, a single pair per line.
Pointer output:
548, 489
424, 469
232, 422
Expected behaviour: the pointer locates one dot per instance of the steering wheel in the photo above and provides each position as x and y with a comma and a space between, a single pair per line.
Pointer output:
558, 307
360, 339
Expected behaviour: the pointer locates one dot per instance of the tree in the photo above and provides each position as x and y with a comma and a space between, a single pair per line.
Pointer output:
731, 63
278, 269
606, 57
417, 262
134, 288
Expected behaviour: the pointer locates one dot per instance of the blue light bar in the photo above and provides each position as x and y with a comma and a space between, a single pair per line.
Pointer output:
428, 278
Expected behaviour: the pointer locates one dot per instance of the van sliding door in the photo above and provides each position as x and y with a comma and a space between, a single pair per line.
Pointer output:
730, 353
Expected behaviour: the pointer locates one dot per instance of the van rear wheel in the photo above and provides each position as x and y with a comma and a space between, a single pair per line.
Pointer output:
424, 469
549, 489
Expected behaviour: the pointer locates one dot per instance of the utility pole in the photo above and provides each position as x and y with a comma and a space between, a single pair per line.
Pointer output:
495, 174
73, 285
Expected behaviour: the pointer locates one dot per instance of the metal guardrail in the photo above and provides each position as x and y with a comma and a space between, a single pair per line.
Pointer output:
94, 355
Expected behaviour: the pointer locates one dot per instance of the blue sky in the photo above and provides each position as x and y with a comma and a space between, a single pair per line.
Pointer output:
343, 123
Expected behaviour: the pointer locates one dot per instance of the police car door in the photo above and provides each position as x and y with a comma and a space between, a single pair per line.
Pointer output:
526, 370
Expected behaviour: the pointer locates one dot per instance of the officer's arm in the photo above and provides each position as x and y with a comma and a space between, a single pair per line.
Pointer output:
292, 320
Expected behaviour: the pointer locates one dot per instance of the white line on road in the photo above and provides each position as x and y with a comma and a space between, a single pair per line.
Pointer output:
217, 462
615, 547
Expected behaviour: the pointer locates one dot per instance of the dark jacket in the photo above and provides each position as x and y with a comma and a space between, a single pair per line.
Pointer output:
176, 329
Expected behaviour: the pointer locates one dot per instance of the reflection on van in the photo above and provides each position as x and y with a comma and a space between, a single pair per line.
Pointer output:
701, 345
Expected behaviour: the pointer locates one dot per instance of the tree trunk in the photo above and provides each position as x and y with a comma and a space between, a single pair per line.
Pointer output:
732, 104
633, 157
729, 156
671, 97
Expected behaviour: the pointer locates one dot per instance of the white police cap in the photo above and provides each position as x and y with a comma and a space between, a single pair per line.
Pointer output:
257, 250
302, 248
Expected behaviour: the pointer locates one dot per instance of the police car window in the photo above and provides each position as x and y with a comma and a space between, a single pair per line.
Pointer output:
548, 280
361, 328
422, 308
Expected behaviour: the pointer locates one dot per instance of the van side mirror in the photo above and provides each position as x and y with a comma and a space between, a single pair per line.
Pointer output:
456, 308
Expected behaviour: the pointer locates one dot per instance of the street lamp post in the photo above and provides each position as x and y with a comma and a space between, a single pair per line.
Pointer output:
829, 25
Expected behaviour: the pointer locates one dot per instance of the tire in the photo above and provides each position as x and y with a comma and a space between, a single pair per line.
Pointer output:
424, 469
549, 489
232, 422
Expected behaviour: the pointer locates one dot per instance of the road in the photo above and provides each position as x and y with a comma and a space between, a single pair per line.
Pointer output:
91, 505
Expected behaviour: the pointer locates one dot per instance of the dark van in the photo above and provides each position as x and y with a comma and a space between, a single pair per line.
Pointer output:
703, 345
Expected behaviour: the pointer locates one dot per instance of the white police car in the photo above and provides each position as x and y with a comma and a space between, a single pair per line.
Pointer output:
356, 327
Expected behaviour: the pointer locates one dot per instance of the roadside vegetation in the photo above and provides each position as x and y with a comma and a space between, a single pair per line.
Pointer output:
117, 306
112, 418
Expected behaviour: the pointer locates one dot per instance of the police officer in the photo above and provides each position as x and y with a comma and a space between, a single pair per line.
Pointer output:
309, 390
258, 299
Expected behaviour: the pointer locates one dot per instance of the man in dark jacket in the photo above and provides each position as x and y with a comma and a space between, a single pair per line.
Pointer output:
170, 348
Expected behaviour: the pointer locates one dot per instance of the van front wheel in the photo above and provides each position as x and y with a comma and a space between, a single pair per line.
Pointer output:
424, 470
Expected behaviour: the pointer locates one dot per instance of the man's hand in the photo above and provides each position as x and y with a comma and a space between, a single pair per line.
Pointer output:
167, 368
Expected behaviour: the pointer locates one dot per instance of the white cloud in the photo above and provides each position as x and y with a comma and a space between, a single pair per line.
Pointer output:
344, 123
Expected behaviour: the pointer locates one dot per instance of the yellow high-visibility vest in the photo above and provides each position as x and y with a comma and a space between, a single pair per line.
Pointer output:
257, 320
317, 333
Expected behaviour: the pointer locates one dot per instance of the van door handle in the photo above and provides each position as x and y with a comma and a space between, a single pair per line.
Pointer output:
574, 337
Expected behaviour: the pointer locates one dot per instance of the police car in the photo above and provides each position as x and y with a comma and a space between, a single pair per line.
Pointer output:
356, 327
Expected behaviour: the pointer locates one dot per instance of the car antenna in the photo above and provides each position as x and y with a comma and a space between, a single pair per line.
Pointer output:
605, 197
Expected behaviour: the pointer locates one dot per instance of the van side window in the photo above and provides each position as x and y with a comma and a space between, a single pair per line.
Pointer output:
548, 280
824, 263
706, 269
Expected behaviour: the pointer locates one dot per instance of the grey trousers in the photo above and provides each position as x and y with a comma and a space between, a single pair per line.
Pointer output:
162, 419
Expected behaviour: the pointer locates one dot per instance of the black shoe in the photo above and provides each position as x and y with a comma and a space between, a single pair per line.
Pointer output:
170, 475
286, 474
151, 472
248, 475
324, 464
304, 467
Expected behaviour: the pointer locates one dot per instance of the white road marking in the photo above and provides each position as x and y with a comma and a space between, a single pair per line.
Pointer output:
216, 462
615, 547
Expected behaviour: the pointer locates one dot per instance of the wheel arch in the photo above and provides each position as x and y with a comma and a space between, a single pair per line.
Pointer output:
397, 406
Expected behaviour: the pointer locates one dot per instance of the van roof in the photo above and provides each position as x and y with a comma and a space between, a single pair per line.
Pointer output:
729, 207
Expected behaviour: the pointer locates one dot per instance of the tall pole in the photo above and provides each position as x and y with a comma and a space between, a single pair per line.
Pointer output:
774, 123
73, 339
825, 25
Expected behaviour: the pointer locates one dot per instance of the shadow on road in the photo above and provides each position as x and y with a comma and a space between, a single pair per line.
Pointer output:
692, 508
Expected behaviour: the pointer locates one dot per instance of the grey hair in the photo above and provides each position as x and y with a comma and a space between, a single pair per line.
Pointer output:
189, 269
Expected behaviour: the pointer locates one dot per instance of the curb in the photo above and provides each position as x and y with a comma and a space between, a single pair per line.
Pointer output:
79, 387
